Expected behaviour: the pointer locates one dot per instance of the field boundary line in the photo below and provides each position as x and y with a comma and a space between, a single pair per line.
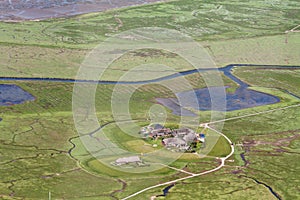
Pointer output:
250, 115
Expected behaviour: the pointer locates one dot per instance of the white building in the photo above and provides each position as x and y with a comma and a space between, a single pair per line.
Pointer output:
127, 160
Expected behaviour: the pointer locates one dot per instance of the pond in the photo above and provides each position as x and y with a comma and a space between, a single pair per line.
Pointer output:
240, 99
13, 94
166, 190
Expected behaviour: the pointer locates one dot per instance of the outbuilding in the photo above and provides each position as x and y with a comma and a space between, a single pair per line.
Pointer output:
127, 160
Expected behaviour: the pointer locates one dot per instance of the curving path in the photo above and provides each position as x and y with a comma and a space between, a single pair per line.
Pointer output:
226, 70
222, 159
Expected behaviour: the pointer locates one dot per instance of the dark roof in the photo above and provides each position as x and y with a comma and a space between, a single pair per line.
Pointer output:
157, 126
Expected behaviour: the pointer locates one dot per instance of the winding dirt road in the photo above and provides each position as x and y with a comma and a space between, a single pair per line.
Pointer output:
222, 159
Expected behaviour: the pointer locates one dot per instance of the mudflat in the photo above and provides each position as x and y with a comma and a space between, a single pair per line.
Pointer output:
19, 10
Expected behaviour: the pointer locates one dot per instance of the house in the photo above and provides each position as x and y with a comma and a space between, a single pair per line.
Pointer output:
152, 130
182, 132
128, 160
160, 132
190, 137
174, 142
179, 138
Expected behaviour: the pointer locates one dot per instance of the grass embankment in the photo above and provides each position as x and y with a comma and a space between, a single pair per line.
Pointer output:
284, 79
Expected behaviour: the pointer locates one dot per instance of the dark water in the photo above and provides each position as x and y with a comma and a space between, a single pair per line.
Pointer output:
277, 196
226, 70
166, 190
242, 98
174, 105
246, 162
12, 94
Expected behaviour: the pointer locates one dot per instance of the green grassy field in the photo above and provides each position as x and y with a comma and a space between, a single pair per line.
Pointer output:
217, 186
203, 20
37, 145
40, 151
36, 137
36, 61
270, 144
36, 160
231, 32
272, 78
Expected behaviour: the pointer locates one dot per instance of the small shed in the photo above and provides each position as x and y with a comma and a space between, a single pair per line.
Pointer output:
127, 160
202, 137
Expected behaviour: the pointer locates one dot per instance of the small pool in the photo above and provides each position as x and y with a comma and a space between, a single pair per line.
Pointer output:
13, 94
242, 98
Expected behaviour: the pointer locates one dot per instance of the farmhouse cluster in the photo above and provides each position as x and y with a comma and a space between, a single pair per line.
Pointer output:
181, 139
